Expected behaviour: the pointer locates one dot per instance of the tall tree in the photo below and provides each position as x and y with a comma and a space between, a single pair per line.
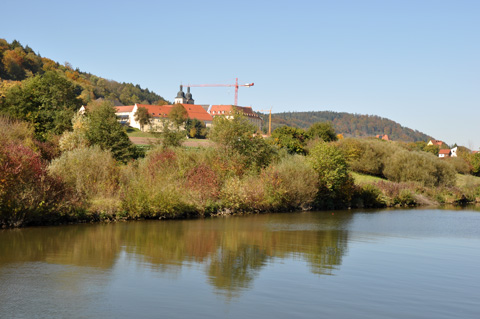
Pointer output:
178, 115
104, 130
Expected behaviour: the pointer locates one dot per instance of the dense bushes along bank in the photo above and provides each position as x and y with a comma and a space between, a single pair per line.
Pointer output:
244, 173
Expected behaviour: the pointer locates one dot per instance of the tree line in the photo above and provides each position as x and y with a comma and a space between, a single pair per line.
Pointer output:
349, 125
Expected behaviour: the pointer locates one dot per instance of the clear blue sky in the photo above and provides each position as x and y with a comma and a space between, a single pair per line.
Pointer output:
414, 62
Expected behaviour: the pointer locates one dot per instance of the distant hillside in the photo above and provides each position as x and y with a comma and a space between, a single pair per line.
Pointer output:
18, 63
350, 125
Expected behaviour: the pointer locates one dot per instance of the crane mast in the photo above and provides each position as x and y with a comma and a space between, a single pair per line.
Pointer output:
236, 85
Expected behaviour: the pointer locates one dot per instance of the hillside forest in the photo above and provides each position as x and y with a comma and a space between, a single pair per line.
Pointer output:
18, 63
349, 125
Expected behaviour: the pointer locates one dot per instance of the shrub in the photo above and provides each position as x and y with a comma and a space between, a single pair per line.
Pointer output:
91, 171
367, 156
368, 196
461, 165
323, 131
290, 184
27, 194
335, 184
235, 138
291, 138
155, 188
244, 194
419, 167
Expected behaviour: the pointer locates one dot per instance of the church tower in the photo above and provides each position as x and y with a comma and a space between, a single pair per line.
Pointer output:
189, 97
180, 99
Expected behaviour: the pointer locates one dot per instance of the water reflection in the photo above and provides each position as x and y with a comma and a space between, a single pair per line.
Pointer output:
231, 250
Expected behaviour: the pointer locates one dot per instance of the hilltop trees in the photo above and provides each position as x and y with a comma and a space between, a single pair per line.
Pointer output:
18, 63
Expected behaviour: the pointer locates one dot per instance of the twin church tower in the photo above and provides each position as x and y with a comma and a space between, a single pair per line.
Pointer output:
183, 98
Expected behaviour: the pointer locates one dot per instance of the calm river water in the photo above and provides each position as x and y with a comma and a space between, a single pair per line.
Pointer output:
345, 264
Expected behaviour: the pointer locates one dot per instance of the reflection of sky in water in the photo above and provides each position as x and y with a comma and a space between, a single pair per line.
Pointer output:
397, 264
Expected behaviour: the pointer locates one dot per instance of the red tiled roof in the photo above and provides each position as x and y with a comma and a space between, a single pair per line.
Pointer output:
227, 109
197, 112
220, 109
123, 109
446, 151
156, 110
193, 111
437, 142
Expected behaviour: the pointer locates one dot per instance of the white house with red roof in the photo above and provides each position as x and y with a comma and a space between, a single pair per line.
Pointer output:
159, 114
444, 153
229, 111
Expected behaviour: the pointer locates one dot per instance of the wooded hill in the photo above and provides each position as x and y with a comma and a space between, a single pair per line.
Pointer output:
17, 63
350, 125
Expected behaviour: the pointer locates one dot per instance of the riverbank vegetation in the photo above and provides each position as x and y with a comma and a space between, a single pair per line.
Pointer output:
93, 173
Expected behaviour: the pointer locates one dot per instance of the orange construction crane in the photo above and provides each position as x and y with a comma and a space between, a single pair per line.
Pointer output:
236, 85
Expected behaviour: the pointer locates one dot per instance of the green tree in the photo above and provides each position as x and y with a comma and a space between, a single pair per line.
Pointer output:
142, 116
178, 115
235, 138
48, 101
292, 138
475, 163
335, 183
104, 130
323, 130
434, 149
196, 128
170, 137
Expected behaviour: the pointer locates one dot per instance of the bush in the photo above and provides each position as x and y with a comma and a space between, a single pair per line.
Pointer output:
155, 188
90, 171
368, 196
291, 138
461, 165
27, 194
291, 184
419, 167
323, 131
235, 139
335, 184
367, 156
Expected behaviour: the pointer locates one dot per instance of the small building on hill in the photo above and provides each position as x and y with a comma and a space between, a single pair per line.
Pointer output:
444, 153
435, 142
229, 112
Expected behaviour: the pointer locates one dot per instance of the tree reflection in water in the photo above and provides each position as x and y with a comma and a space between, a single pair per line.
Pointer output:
233, 250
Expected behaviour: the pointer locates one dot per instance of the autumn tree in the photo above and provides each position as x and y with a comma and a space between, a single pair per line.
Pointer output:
178, 115
292, 138
48, 101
